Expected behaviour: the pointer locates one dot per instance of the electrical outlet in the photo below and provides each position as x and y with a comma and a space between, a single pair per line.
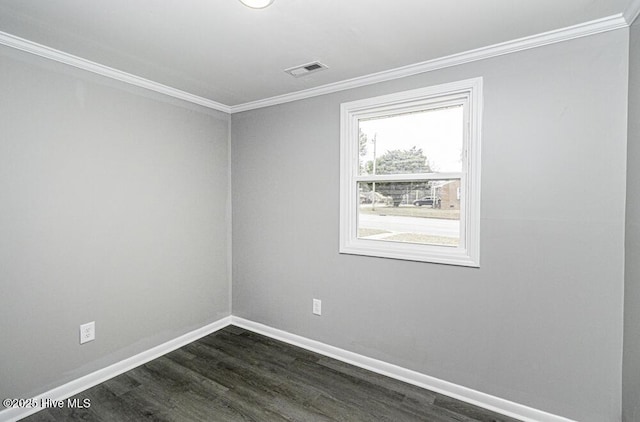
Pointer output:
317, 307
87, 332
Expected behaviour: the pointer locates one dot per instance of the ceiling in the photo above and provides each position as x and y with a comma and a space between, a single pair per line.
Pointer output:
226, 53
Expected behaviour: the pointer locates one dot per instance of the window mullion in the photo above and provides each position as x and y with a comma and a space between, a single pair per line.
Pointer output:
412, 177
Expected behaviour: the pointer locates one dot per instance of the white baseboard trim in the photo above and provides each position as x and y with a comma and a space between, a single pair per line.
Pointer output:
486, 401
83, 383
468, 395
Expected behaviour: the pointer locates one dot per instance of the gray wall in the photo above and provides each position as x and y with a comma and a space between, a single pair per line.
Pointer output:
540, 323
631, 367
113, 208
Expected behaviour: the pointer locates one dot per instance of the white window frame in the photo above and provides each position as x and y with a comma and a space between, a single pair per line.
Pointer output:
467, 93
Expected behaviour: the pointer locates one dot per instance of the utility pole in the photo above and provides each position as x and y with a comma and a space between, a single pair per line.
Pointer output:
373, 194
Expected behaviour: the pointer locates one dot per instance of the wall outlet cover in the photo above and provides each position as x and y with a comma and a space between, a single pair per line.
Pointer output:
87, 332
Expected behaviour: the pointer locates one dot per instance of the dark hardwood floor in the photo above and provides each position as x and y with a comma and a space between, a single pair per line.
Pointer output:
237, 375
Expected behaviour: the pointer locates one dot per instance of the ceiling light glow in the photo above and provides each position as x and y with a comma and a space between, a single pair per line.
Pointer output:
257, 4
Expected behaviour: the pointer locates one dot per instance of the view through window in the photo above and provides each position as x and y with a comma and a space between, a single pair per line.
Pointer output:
428, 146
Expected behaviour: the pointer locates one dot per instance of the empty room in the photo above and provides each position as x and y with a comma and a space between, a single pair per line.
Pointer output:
302, 210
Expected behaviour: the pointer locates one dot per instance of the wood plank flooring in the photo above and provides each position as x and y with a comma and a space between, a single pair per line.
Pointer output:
237, 375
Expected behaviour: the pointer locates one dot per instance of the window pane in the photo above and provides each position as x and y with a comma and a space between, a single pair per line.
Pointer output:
421, 142
425, 212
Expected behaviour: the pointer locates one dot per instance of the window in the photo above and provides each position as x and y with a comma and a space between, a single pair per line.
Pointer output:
410, 175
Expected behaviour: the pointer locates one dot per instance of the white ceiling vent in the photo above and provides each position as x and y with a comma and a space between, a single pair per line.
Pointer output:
305, 69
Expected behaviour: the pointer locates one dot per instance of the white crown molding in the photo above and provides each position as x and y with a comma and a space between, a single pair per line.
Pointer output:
632, 12
610, 23
69, 59
83, 383
468, 395
581, 30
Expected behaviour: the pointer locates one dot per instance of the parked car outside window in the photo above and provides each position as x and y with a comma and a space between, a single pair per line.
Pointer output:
427, 200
